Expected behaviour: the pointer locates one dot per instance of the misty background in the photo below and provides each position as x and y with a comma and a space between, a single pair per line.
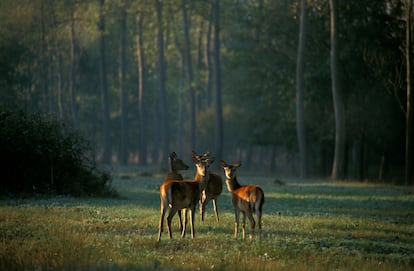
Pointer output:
299, 88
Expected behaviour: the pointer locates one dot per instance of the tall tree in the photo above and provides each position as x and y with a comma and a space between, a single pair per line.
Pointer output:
44, 64
123, 150
161, 87
142, 113
338, 103
72, 80
59, 61
409, 107
300, 89
218, 116
207, 56
107, 152
190, 77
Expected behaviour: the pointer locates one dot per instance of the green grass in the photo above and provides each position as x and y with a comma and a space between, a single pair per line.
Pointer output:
307, 225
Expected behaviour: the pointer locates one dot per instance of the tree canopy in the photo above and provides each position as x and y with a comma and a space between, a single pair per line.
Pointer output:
53, 55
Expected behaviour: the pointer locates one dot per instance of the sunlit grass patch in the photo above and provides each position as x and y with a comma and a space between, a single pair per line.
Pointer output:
306, 226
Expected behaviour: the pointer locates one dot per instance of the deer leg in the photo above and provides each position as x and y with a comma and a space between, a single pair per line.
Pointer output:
244, 225
169, 219
203, 202
161, 224
192, 211
252, 224
259, 221
236, 222
184, 222
181, 220
202, 210
215, 209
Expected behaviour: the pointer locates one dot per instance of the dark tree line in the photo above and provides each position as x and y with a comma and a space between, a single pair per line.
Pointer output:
305, 88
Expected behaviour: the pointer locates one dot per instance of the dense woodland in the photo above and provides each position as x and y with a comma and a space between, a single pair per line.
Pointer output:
293, 87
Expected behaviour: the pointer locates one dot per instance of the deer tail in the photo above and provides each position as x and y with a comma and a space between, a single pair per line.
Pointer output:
257, 199
169, 196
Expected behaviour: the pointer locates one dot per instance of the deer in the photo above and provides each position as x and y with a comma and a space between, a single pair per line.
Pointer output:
245, 198
176, 164
214, 187
176, 195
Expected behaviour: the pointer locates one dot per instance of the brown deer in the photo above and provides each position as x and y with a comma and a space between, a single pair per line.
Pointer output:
214, 187
176, 164
245, 198
184, 195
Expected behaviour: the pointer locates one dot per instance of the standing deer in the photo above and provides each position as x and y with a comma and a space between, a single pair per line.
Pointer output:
184, 195
176, 164
245, 198
214, 187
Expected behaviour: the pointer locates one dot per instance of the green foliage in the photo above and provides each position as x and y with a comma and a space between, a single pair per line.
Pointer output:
261, 68
39, 155
258, 52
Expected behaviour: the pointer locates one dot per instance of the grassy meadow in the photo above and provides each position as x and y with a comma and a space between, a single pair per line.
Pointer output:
307, 225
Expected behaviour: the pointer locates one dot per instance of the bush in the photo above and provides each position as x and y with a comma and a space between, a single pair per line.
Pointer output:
39, 155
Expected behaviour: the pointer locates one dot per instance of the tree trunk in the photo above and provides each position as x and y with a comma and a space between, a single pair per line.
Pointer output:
218, 131
161, 90
339, 155
381, 168
188, 64
123, 149
300, 122
181, 114
209, 73
362, 156
142, 148
72, 82
200, 98
409, 110
106, 144
59, 65
47, 94
59, 84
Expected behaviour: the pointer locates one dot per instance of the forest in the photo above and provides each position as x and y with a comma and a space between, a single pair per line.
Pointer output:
304, 88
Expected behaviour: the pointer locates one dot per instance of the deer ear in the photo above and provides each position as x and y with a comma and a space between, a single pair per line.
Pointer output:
237, 164
223, 164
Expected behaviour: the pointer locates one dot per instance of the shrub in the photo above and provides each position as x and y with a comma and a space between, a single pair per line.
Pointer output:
40, 155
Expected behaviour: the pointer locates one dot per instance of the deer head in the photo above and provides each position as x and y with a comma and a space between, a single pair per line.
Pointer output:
176, 163
202, 163
230, 170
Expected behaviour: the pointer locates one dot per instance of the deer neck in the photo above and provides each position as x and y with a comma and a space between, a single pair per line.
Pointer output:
200, 178
232, 184
172, 167
202, 181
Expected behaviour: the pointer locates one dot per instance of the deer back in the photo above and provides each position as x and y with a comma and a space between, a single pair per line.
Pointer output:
185, 193
247, 196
